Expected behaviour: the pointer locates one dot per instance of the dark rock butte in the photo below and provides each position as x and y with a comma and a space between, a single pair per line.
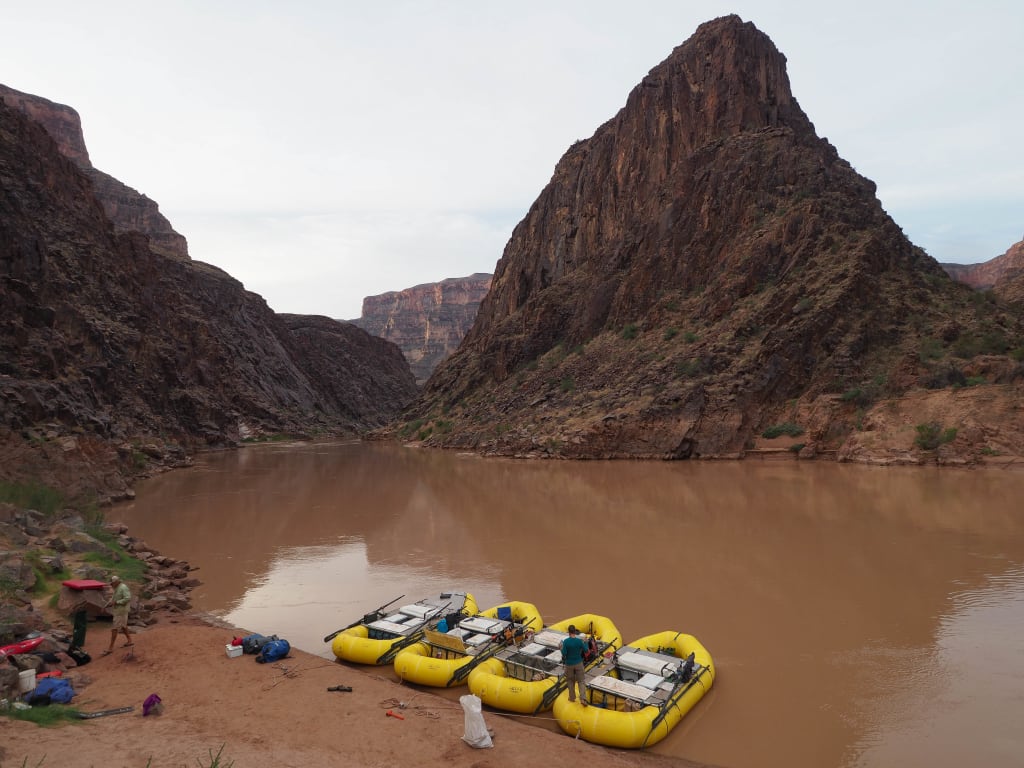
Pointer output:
700, 269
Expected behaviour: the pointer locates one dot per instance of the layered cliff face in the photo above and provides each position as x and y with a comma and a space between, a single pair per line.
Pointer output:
704, 267
1004, 274
114, 355
1010, 283
428, 321
130, 210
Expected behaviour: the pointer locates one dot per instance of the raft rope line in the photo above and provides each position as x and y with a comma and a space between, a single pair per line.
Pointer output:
292, 673
393, 703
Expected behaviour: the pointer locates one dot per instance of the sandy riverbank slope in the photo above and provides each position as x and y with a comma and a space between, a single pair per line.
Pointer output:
272, 716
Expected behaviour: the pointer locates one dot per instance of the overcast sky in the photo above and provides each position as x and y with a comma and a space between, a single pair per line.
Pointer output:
321, 152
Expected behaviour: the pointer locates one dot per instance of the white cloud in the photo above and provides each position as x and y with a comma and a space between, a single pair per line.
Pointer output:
357, 253
324, 151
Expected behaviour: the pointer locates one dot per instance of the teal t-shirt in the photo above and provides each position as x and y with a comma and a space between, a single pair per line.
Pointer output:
572, 650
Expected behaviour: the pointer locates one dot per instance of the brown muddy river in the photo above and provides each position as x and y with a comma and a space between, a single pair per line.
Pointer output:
858, 617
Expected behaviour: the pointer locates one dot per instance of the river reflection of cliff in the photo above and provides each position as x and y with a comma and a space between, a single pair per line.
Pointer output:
822, 590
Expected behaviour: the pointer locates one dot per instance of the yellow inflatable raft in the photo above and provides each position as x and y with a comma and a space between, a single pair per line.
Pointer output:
528, 677
641, 693
445, 658
378, 638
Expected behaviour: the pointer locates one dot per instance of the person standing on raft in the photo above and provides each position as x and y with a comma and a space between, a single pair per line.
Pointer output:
572, 659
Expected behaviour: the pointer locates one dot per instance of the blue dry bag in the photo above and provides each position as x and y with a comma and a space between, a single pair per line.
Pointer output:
275, 650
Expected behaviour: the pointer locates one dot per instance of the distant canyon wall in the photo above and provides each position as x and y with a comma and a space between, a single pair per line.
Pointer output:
1004, 275
428, 321
128, 209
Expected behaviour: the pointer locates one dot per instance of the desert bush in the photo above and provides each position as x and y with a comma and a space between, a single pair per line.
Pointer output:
855, 395
984, 302
555, 355
865, 394
114, 558
947, 376
139, 460
931, 435
687, 368
411, 427
786, 428
32, 495
992, 342
931, 349
8, 586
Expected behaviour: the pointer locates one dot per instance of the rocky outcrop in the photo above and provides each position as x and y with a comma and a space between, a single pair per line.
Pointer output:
130, 210
696, 272
1010, 284
1004, 274
428, 321
60, 121
366, 377
39, 551
115, 357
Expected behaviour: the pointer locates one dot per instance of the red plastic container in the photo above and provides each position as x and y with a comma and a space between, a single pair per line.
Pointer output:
80, 584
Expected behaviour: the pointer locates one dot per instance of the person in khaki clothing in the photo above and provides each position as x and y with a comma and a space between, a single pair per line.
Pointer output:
572, 658
120, 604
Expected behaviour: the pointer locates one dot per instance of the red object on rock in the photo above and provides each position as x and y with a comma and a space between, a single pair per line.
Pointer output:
80, 584
21, 647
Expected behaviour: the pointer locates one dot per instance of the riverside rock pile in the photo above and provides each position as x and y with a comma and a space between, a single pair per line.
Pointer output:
37, 552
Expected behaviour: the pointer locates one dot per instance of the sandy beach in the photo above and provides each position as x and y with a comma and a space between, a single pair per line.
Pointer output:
272, 715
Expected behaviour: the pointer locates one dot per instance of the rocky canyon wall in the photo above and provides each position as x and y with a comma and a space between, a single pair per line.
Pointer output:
700, 271
117, 357
1004, 274
130, 210
427, 322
